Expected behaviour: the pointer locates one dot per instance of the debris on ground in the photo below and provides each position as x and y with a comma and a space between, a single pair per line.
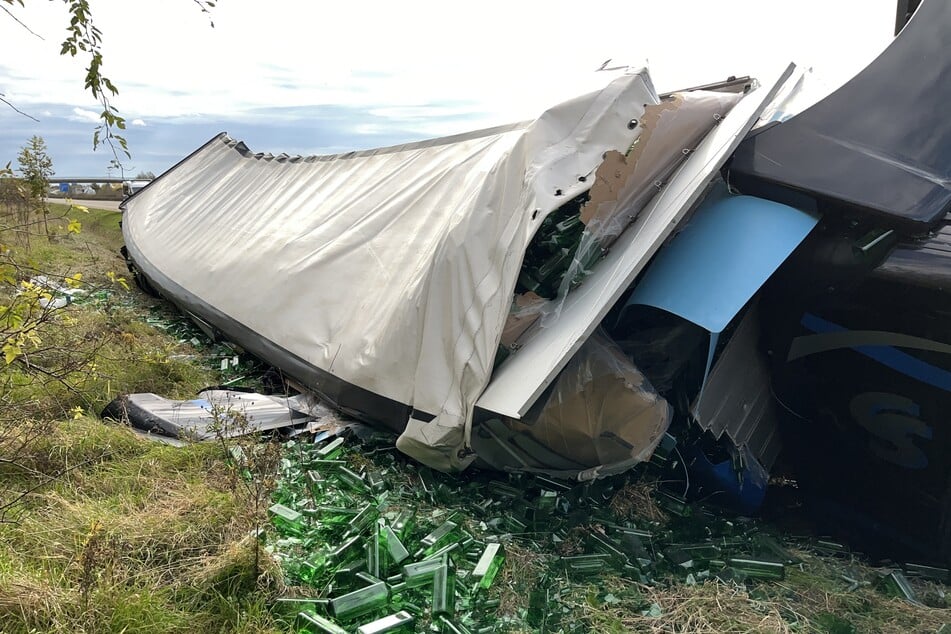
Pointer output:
365, 537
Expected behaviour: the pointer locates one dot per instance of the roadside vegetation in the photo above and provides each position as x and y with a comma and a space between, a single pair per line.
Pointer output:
104, 531
101, 531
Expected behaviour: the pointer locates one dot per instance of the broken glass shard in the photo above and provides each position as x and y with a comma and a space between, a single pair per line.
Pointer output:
389, 623
488, 566
358, 602
312, 623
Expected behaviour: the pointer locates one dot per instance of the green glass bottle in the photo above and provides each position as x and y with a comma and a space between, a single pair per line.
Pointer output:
292, 606
446, 533
584, 565
376, 481
287, 520
331, 450
420, 573
894, 584
503, 490
758, 569
606, 546
404, 523
444, 588
448, 626
353, 604
335, 515
309, 571
352, 480
401, 621
343, 548
445, 550
371, 547
491, 561
392, 545
361, 520
312, 623
673, 504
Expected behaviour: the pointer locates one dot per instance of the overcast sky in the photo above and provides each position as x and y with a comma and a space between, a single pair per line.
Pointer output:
317, 77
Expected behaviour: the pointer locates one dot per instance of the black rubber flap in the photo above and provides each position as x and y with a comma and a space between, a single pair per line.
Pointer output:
880, 145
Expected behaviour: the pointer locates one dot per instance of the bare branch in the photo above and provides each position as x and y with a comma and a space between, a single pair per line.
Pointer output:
18, 21
15, 109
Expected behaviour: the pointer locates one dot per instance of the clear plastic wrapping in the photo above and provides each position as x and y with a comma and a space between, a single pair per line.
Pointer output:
601, 414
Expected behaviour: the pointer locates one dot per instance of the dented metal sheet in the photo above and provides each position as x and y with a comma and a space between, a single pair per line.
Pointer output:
214, 414
737, 400
522, 378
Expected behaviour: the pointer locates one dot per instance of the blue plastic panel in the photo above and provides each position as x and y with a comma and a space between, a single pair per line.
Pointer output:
721, 258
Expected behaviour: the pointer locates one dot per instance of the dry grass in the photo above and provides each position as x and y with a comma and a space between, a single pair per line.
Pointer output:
634, 501
710, 608
814, 598
523, 570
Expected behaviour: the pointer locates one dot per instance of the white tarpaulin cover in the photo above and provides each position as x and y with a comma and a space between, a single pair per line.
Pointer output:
381, 279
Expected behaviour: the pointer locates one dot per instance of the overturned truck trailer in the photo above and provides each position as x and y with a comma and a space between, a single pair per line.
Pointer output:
556, 295
384, 280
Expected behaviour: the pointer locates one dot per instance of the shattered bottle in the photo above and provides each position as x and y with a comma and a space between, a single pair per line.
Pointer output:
312, 623
287, 520
491, 561
368, 599
444, 588
391, 623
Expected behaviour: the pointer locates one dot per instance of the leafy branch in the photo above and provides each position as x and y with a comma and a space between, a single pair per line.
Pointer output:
86, 38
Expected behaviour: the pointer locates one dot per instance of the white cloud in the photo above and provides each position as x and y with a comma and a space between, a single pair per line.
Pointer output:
510, 60
422, 69
80, 114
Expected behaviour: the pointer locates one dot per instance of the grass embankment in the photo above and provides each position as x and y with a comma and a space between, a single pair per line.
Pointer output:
119, 534
113, 533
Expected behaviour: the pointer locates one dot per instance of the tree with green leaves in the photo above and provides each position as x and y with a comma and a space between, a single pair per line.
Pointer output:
36, 167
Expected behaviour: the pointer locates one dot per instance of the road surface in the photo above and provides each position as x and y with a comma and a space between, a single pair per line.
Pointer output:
109, 205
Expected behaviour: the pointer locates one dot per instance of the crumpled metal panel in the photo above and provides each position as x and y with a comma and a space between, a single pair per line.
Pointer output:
522, 378
737, 399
